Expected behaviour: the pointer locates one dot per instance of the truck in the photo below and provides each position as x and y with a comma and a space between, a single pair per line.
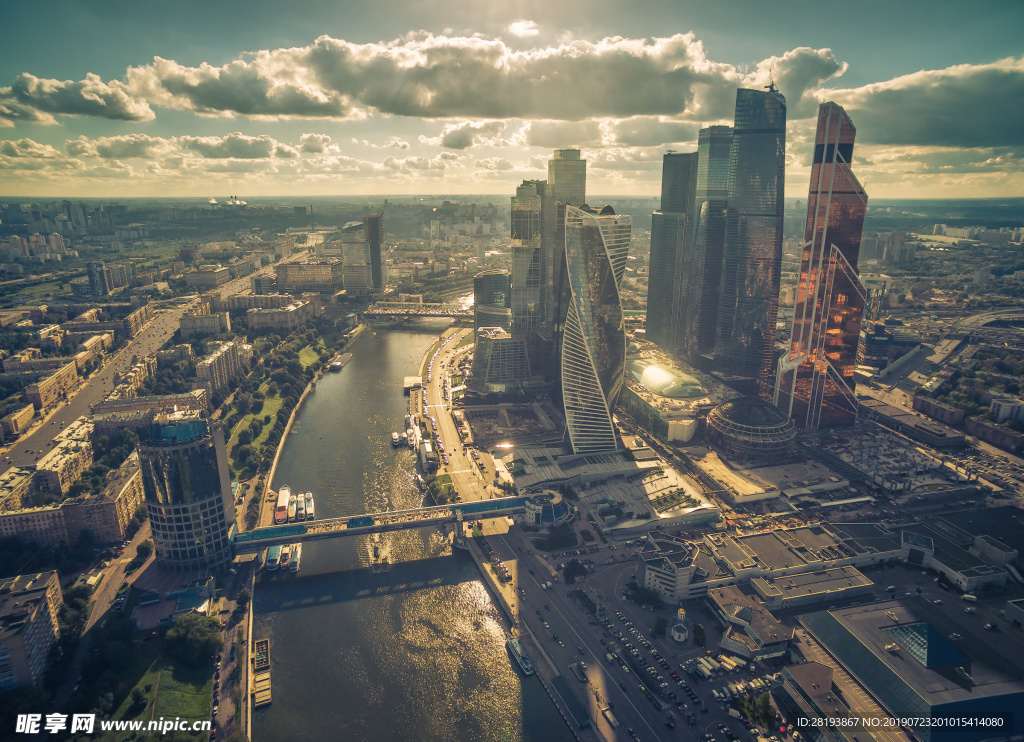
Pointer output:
730, 665
706, 664
970, 598
703, 672
735, 714
610, 717
609, 656
712, 665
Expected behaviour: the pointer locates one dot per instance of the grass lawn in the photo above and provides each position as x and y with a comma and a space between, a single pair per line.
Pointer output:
140, 673
307, 356
184, 693
271, 405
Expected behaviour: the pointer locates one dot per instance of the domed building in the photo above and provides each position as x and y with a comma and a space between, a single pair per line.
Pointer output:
681, 626
547, 510
752, 429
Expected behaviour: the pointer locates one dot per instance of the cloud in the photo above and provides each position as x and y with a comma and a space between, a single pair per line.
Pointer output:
119, 147
648, 131
962, 106
36, 100
314, 143
430, 76
28, 148
494, 163
561, 134
465, 134
523, 29
236, 145
799, 74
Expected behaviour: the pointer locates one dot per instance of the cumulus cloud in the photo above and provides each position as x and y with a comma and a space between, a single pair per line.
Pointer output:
431, 76
36, 100
523, 29
119, 147
232, 146
28, 148
314, 143
493, 163
646, 131
962, 106
237, 145
465, 134
561, 134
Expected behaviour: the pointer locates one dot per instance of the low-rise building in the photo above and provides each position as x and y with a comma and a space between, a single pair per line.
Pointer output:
284, 318
28, 628
177, 354
313, 275
751, 630
944, 413
106, 515
1006, 407
63, 466
197, 399
201, 322
17, 422
15, 487
1000, 436
51, 389
208, 276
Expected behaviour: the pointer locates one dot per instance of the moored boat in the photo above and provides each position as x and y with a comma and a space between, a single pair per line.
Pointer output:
286, 556
300, 507
516, 650
296, 556
292, 506
309, 506
394, 440
273, 558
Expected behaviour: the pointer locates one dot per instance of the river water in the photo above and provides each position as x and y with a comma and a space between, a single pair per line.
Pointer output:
417, 653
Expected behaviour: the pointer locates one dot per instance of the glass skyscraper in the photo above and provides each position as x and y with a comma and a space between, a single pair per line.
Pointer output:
373, 233
187, 488
527, 257
566, 186
670, 248
815, 382
491, 300
749, 288
593, 349
700, 283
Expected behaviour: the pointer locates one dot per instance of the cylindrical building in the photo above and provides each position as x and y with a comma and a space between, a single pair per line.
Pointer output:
188, 492
751, 429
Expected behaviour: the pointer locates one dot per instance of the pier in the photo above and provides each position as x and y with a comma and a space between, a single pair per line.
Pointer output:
261, 691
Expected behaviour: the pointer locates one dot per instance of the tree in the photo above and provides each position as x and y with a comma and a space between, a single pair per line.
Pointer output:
659, 627
144, 550
194, 639
244, 596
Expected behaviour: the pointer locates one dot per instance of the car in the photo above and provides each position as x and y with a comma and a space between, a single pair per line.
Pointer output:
990, 627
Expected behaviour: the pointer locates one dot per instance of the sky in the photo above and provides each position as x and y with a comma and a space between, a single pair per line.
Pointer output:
112, 98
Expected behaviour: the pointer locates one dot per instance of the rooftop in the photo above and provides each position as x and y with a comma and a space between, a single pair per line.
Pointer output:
19, 597
812, 583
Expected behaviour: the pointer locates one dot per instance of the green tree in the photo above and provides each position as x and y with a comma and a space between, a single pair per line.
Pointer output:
659, 627
194, 639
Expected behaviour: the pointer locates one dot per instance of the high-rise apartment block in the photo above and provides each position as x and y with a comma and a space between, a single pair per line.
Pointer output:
593, 348
815, 381
187, 487
28, 628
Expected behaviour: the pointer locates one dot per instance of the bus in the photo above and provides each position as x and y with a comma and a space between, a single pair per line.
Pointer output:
281, 512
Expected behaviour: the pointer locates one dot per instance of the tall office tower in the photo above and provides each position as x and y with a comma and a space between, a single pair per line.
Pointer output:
491, 300
670, 251
98, 284
706, 231
815, 383
188, 491
749, 293
373, 233
566, 186
527, 257
593, 350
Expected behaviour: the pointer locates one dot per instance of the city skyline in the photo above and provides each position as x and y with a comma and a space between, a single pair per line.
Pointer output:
467, 100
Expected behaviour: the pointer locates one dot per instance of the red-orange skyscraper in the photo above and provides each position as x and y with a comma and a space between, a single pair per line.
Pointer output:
814, 382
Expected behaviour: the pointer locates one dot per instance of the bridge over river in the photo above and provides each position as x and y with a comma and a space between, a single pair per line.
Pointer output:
248, 542
413, 309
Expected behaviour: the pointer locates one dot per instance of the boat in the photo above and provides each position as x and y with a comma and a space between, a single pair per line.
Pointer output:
410, 437
336, 365
273, 558
516, 650
291, 506
296, 556
300, 507
394, 440
309, 506
281, 513
408, 421
286, 556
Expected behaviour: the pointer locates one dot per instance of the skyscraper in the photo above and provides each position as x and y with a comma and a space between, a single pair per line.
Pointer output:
373, 233
815, 383
670, 250
707, 233
593, 349
491, 300
749, 293
99, 285
566, 186
527, 258
188, 491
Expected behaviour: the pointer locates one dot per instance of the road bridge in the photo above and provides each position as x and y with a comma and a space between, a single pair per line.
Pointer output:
413, 309
249, 542
983, 318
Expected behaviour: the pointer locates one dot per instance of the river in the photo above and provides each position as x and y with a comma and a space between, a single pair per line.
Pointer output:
416, 653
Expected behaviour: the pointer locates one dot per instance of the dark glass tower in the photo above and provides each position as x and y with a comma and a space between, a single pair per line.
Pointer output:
527, 257
749, 289
188, 492
815, 382
670, 248
373, 233
593, 350
707, 233
492, 300
566, 186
